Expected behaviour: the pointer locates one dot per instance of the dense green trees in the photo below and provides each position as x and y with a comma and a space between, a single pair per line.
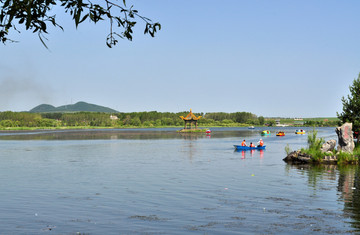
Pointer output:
351, 106
138, 119
22, 119
37, 16
261, 120
134, 119
320, 123
238, 117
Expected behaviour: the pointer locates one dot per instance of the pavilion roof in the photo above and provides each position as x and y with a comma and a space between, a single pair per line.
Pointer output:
190, 116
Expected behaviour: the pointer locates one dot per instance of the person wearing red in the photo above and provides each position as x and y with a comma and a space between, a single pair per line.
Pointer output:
260, 143
252, 145
243, 143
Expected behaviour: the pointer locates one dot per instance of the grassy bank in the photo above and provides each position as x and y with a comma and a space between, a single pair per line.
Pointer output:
193, 130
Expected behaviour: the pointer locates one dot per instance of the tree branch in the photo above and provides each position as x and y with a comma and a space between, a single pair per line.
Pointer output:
34, 14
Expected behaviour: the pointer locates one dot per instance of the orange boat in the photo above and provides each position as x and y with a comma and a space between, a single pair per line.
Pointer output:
280, 133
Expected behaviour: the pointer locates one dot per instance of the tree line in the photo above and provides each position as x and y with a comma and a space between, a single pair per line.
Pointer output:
133, 119
321, 123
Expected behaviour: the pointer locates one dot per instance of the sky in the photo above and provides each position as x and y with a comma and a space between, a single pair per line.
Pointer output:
275, 58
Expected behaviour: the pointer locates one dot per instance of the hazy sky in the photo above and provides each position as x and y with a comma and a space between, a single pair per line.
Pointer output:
272, 58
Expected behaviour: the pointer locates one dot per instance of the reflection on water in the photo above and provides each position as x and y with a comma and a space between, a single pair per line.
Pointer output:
90, 134
250, 152
159, 181
348, 184
316, 173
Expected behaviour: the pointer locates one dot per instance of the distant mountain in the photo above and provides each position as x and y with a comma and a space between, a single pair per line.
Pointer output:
43, 108
78, 107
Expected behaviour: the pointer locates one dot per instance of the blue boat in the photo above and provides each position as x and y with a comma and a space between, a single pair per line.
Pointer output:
239, 147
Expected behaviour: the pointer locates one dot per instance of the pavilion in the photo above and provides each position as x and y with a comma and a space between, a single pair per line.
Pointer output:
190, 120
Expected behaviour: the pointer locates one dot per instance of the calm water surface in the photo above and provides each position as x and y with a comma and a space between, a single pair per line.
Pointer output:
156, 181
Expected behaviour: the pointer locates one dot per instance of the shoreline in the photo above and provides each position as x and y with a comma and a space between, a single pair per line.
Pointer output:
5, 129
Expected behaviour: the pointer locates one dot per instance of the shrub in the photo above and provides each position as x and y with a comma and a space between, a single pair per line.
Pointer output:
287, 149
314, 145
314, 142
345, 157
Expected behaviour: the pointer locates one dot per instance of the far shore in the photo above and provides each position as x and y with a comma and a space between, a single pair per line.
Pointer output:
8, 129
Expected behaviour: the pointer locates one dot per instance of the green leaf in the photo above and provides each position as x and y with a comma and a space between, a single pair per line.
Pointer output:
84, 18
6, 4
42, 41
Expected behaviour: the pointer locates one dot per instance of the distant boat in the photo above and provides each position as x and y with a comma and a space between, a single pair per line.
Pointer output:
280, 133
239, 147
251, 127
266, 132
208, 131
300, 132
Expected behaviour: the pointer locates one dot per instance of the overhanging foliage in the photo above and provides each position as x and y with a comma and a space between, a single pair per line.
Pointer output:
36, 16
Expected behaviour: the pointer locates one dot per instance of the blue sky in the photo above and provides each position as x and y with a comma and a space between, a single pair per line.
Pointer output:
270, 58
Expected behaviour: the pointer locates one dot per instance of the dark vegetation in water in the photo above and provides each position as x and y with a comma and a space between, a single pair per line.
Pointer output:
147, 218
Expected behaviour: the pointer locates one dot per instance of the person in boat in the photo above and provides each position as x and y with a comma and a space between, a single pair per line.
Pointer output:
260, 143
243, 143
252, 145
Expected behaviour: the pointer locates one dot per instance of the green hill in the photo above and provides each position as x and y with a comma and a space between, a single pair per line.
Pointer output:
78, 107
43, 108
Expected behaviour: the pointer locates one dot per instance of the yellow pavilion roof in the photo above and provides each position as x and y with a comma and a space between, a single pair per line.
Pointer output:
190, 116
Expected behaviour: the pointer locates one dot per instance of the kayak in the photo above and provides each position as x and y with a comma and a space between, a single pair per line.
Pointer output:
239, 147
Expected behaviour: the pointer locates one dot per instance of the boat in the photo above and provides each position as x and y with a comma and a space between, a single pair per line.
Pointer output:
251, 127
300, 132
239, 147
265, 132
208, 131
280, 133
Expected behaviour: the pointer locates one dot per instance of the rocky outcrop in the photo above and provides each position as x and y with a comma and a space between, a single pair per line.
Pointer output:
345, 135
329, 146
297, 157
327, 154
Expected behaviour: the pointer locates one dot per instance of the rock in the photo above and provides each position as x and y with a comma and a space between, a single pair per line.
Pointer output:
291, 156
296, 157
328, 146
329, 159
345, 135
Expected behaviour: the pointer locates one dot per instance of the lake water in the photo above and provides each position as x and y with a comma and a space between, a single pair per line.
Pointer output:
156, 181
